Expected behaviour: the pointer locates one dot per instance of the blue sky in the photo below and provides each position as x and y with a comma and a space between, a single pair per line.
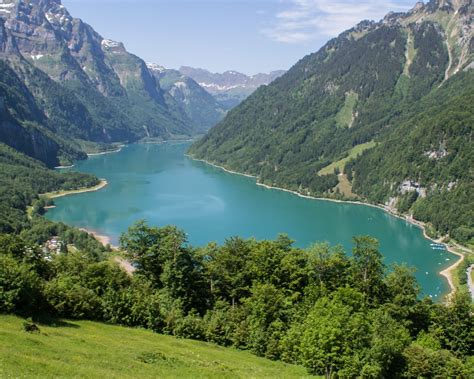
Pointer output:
243, 35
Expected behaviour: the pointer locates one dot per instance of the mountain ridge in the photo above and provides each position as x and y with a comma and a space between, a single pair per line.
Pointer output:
359, 90
202, 109
231, 87
107, 94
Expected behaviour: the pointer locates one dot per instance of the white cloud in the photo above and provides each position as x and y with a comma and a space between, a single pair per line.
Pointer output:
305, 20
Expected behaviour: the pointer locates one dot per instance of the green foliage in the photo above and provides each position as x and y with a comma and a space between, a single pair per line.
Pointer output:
334, 314
428, 363
368, 269
69, 299
137, 304
163, 257
20, 286
334, 332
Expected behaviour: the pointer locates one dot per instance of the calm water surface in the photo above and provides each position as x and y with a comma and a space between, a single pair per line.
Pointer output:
157, 183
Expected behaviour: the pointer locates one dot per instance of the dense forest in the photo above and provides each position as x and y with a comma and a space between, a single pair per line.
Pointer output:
338, 316
383, 113
432, 144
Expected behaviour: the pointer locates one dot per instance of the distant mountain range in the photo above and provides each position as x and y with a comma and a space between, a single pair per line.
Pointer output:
382, 113
231, 87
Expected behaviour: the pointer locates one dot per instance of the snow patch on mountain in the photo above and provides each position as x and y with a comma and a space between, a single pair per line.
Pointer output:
6, 7
155, 67
223, 88
113, 46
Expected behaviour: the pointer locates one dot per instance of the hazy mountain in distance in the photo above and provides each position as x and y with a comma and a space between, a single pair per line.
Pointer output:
231, 87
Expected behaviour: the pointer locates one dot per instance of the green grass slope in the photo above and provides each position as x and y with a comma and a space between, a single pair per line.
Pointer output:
84, 349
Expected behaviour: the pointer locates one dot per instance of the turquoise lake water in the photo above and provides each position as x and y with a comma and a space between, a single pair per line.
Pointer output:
157, 183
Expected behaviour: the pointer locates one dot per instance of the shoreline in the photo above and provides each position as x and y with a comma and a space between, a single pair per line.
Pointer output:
102, 238
447, 273
118, 150
54, 195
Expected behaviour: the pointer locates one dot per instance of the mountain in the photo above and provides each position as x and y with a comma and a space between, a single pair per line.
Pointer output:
201, 108
382, 113
75, 85
231, 87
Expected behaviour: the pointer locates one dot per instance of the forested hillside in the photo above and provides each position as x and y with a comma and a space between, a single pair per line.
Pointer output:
361, 90
432, 146
334, 314
22, 181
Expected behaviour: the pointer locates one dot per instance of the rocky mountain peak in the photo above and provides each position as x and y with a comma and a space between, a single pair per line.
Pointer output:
418, 7
112, 46
155, 67
6, 7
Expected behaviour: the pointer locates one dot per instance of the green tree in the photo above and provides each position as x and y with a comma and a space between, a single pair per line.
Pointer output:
367, 268
334, 332
20, 287
227, 268
266, 308
454, 325
327, 266
164, 257
423, 362
389, 340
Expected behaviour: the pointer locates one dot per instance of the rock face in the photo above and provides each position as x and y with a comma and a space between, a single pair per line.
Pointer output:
87, 87
202, 109
231, 87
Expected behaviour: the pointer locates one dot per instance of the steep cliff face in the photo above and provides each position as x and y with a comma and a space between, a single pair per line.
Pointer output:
182, 92
87, 87
24, 126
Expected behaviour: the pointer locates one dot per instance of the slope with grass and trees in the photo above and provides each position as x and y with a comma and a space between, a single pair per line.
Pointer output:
399, 89
316, 307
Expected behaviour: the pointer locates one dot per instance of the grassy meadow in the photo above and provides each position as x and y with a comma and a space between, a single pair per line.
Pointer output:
85, 349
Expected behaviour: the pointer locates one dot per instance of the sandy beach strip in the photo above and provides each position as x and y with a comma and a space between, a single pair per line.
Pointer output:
53, 195
118, 150
102, 238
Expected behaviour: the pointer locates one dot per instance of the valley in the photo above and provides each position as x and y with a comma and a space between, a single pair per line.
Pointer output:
190, 222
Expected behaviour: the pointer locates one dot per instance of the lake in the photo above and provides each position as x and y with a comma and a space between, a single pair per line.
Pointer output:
159, 184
